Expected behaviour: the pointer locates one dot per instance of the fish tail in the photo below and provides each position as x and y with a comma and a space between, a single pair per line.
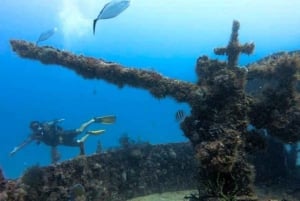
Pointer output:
94, 25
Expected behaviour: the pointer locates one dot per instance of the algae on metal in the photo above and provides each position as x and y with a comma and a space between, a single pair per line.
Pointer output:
234, 48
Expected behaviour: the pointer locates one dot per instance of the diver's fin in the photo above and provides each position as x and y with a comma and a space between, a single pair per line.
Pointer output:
110, 119
95, 132
94, 25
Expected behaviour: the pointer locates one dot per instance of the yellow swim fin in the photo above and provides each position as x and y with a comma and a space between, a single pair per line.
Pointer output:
110, 119
95, 132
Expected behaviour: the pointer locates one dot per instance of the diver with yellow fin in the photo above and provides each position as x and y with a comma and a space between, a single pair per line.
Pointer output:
50, 133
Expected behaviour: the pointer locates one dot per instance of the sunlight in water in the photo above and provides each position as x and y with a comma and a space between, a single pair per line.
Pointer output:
76, 17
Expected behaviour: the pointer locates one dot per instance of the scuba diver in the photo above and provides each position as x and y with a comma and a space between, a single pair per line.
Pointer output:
51, 134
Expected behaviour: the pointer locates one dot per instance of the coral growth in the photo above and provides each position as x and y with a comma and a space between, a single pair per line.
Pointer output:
2, 181
116, 175
225, 100
234, 48
217, 129
11, 190
158, 85
276, 104
33, 177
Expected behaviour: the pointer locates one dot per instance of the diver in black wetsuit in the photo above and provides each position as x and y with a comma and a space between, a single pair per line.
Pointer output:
51, 134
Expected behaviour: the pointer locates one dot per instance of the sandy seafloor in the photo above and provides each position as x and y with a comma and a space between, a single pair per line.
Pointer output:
264, 194
167, 196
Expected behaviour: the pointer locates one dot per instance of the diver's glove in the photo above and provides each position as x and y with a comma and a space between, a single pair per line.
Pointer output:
13, 151
55, 121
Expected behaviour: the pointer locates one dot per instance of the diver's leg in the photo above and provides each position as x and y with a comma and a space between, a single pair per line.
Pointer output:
81, 147
83, 139
68, 139
110, 119
71, 142
85, 125
88, 133
55, 155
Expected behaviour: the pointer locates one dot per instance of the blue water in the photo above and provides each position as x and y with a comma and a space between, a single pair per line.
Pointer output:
166, 36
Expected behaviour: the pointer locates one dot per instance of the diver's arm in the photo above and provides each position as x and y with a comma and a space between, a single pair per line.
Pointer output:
27, 141
55, 121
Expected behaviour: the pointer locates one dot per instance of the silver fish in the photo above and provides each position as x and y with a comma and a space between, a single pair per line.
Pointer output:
111, 10
45, 35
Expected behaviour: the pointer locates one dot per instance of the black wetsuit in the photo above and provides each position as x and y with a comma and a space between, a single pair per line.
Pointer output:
54, 135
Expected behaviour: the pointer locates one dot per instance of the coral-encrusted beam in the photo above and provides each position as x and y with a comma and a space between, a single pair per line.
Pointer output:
234, 48
117, 74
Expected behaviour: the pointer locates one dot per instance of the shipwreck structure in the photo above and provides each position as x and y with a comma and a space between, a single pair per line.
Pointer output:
224, 101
